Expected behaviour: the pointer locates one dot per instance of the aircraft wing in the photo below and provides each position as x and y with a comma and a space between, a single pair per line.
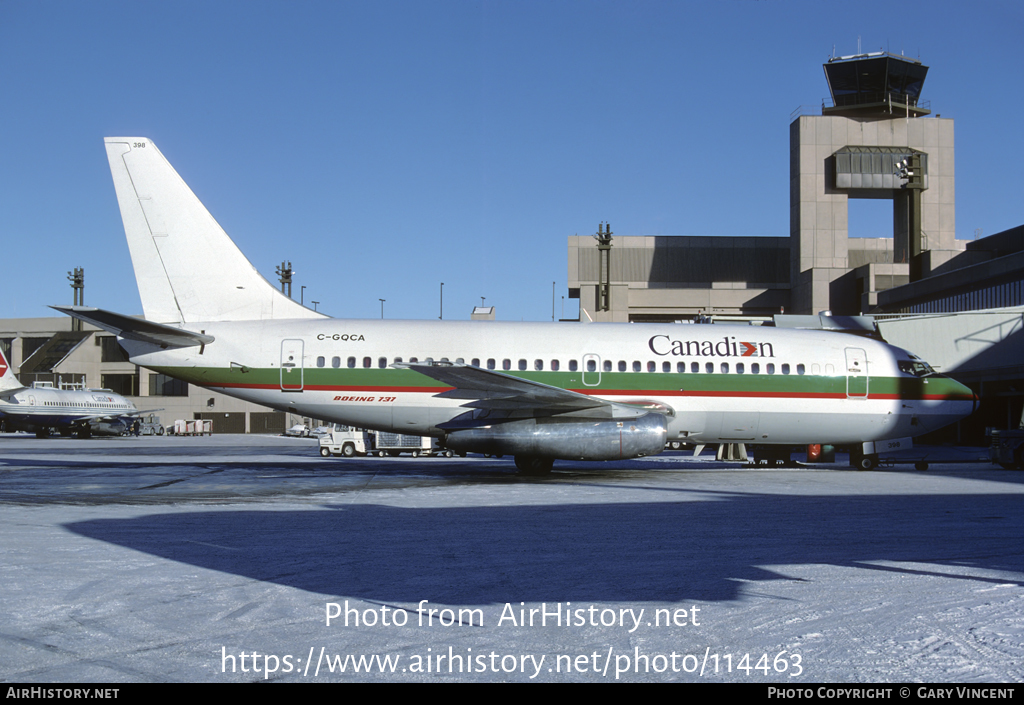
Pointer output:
92, 418
496, 391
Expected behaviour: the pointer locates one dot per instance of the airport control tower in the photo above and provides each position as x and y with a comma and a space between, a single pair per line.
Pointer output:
875, 140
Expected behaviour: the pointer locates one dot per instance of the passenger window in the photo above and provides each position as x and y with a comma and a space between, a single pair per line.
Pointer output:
398, 359
335, 362
321, 361
554, 365
382, 362
739, 368
351, 362
475, 362
694, 367
651, 366
366, 362
636, 365
755, 368
491, 364
460, 361
622, 365
607, 365
800, 369
771, 368
506, 364
666, 366
725, 368
591, 365
522, 364
785, 368
414, 359
709, 367
573, 365
538, 365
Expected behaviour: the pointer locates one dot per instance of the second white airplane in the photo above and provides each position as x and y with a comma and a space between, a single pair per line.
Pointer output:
82, 412
538, 391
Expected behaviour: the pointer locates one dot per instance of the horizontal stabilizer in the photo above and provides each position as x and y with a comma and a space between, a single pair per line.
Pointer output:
133, 328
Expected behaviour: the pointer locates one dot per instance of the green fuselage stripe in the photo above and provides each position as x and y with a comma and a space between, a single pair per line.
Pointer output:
611, 383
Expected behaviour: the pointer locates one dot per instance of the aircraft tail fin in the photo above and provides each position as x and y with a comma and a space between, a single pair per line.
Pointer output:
187, 268
7, 379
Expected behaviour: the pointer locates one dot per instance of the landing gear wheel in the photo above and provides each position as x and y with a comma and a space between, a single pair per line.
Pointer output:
867, 462
531, 465
348, 450
449, 454
325, 451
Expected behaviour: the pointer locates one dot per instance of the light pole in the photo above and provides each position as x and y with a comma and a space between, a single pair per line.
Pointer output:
302, 296
285, 272
314, 304
382, 308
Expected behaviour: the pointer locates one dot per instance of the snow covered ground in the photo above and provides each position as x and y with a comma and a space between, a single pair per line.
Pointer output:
218, 559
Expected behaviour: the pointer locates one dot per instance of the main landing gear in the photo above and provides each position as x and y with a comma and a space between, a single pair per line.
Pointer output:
863, 462
532, 465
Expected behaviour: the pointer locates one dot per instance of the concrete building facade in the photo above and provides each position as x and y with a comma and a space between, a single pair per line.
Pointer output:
831, 271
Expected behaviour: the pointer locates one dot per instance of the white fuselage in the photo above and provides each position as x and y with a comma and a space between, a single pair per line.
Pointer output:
721, 383
46, 407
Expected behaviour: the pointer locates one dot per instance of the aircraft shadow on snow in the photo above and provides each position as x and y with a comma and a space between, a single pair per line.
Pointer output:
660, 551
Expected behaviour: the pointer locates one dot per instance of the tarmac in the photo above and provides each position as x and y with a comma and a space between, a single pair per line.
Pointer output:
251, 558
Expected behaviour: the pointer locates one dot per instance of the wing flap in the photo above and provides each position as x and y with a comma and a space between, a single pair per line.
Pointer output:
489, 390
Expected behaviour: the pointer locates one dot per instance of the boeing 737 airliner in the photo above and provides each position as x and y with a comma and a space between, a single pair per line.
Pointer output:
538, 391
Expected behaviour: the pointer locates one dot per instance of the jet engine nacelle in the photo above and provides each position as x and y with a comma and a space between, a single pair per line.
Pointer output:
565, 439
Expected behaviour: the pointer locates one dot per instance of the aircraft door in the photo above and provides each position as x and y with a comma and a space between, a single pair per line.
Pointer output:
856, 374
591, 370
291, 365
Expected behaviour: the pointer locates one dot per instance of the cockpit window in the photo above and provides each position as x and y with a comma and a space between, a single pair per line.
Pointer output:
918, 368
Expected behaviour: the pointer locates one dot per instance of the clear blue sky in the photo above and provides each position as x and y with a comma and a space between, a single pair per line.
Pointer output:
385, 147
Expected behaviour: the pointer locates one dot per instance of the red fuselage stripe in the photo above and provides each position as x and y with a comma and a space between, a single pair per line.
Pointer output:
607, 392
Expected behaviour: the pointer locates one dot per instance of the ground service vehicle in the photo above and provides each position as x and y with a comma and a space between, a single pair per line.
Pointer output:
346, 441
